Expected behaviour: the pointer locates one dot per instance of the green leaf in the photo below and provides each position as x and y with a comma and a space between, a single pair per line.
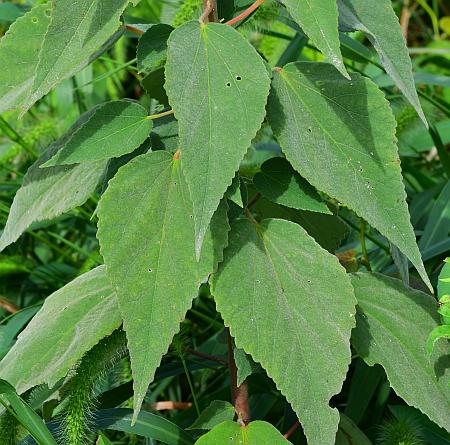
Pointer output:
103, 440
245, 365
279, 182
231, 433
437, 226
146, 425
319, 20
114, 129
146, 234
234, 192
339, 135
348, 433
437, 333
71, 322
47, 193
153, 83
218, 86
217, 412
164, 135
392, 327
443, 285
76, 31
152, 47
15, 323
10, 12
26, 416
282, 309
379, 23
151, 426
21, 43
327, 230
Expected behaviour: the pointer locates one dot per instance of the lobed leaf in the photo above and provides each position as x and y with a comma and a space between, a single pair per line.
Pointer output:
282, 309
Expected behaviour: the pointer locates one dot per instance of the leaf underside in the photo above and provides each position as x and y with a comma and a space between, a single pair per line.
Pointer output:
71, 321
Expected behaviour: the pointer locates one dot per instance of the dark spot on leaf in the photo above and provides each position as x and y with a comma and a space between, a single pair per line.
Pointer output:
190, 216
48, 12
150, 270
34, 19
238, 78
310, 130
228, 84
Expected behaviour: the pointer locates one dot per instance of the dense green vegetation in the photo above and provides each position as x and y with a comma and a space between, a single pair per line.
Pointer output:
224, 233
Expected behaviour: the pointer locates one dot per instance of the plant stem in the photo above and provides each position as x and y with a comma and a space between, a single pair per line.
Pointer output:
211, 358
243, 15
157, 116
209, 12
371, 238
255, 198
292, 430
15, 137
362, 238
134, 30
239, 394
191, 386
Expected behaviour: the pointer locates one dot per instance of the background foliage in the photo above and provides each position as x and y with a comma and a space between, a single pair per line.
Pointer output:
194, 375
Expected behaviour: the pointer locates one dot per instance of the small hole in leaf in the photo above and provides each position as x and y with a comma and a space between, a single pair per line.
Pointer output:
238, 78
150, 270
190, 216
310, 130
34, 19
228, 84
174, 183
